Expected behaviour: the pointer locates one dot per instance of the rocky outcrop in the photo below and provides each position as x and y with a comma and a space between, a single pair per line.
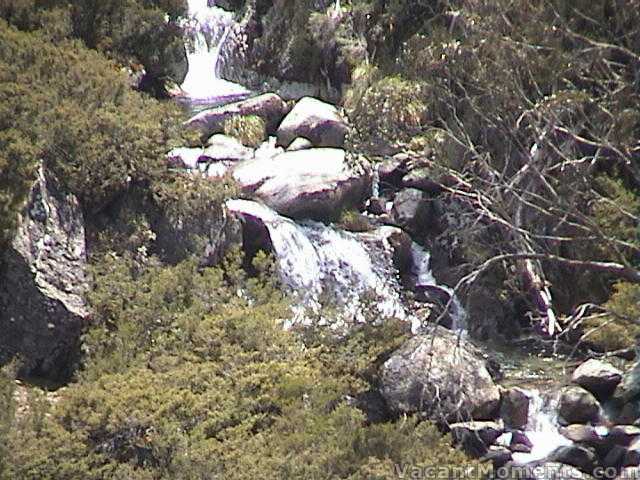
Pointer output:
269, 106
316, 183
43, 283
576, 405
441, 376
598, 377
315, 120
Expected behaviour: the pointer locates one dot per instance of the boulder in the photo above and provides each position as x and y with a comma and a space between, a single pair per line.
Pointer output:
299, 144
422, 179
225, 148
43, 283
184, 157
576, 405
441, 376
598, 377
577, 456
315, 120
209, 236
498, 456
514, 408
411, 210
269, 106
488, 432
579, 433
392, 170
632, 454
316, 183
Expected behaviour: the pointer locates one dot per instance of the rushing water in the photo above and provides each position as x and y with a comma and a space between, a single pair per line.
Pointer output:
331, 270
541, 429
210, 27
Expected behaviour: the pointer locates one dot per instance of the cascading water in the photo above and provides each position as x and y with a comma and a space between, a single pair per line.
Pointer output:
424, 278
541, 429
327, 268
210, 27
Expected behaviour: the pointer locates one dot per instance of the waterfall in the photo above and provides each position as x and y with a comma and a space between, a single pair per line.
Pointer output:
541, 429
210, 26
351, 275
328, 269
421, 270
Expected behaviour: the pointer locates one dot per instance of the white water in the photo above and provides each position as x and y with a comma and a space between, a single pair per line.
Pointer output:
421, 269
541, 429
330, 270
202, 84
321, 264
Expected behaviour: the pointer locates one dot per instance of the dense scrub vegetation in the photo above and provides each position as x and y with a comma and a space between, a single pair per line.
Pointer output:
134, 33
184, 378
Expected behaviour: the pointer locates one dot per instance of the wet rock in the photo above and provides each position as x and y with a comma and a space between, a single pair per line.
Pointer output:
577, 456
598, 377
498, 456
520, 442
225, 148
579, 433
377, 206
316, 183
410, 209
299, 144
614, 457
43, 283
269, 106
315, 120
514, 408
488, 432
440, 375
576, 405
623, 434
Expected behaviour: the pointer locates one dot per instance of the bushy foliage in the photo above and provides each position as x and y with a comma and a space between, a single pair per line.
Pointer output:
189, 375
621, 324
129, 31
250, 130
99, 137
385, 111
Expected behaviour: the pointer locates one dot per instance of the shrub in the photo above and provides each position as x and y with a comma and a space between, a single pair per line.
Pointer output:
97, 135
388, 111
617, 329
250, 130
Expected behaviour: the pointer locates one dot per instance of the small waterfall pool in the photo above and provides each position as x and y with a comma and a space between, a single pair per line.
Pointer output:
210, 27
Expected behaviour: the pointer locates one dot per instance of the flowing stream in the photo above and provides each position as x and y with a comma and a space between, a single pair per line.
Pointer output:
210, 28
329, 269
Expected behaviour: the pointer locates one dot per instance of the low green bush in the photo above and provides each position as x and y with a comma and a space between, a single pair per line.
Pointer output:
250, 130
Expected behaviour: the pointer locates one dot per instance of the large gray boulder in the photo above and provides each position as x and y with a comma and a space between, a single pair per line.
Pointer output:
440, 375
576, 405
315, 120
598, 377
514, 408
316, 183
43, 283
269, 106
